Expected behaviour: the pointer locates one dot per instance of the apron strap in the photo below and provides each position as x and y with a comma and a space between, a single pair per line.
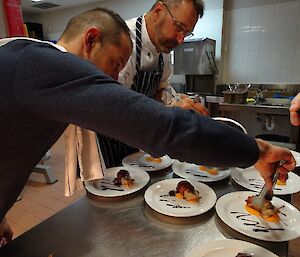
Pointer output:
138, 44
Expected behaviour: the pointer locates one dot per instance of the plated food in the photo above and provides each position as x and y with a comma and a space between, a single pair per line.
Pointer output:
232, 211
149, 158
185, 190
118, 181
199, 172
178, 198
252, 180
268, 211
229, 248
147, 162
123, 179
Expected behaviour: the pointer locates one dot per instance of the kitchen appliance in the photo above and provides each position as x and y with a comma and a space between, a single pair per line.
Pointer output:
271, 123
196, 60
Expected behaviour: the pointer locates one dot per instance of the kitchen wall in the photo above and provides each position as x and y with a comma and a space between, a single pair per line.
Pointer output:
262, 41
3, 31
209, 26
55, 22
258, 41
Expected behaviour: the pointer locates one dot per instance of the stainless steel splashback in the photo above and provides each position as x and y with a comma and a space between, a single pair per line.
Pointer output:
195, 57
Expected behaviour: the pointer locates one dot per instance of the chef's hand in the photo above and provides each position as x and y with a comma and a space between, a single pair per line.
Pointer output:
6, 233
269, 158
188, 104
295, 106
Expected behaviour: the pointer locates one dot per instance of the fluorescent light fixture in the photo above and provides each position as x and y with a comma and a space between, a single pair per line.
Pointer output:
36, 0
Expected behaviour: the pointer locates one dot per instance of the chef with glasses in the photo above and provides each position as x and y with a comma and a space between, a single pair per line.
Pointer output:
155, 34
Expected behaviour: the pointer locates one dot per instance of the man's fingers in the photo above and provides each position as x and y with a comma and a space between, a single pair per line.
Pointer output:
3, 241
268, 182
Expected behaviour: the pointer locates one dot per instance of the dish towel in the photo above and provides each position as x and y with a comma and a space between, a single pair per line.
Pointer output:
82, 145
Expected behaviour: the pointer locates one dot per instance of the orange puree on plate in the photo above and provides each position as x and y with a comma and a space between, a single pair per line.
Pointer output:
279, 183
152, 159
212, 171
274, 218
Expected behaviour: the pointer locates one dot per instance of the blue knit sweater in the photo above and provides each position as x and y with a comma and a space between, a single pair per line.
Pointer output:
42, 90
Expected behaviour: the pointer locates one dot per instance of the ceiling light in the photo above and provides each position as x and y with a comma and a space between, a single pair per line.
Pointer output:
36, 0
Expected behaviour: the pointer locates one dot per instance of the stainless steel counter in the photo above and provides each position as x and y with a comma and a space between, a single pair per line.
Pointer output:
96, 227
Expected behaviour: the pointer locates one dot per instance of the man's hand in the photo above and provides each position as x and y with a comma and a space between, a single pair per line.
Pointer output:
6, 233
268, 161
188, 104
295, 106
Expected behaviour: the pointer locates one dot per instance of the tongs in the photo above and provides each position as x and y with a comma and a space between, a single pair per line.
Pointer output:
266, 194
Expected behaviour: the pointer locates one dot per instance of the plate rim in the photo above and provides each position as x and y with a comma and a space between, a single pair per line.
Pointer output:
235, 170
207, 245
218, 207
177, 162
296, 156
145, 168
147, 179
154, 185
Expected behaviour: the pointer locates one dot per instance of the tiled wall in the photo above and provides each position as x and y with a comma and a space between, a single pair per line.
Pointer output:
209, 26
262, 44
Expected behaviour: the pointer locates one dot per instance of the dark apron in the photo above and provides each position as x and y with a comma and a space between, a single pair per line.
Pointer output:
144, 82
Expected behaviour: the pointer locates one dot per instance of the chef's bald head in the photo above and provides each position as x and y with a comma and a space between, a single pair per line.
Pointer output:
108, 22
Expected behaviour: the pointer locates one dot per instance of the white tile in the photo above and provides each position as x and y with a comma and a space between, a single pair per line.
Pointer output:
296, 76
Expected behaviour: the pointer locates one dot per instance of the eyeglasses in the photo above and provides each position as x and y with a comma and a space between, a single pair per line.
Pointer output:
179, 27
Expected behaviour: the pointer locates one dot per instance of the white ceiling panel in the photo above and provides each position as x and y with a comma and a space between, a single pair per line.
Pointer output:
28, 5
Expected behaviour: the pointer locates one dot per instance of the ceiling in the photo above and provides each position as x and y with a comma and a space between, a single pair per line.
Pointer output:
45, 4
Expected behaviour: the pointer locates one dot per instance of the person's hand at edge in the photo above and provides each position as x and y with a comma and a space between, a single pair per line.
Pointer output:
269, 158
294, 109
6, 233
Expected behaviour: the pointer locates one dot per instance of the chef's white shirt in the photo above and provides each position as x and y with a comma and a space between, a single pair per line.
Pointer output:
149, 58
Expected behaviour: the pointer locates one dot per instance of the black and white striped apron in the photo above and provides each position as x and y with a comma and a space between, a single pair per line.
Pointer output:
145, 83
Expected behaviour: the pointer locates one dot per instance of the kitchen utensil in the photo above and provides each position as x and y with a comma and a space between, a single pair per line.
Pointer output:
259, 200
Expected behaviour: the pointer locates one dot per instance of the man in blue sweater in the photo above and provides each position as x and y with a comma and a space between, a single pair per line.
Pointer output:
45, 87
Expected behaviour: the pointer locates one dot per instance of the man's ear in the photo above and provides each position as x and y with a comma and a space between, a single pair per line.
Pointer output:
92, 36
156, 12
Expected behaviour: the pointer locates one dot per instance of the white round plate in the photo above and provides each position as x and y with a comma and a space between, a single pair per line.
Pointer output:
139, 160
192, 171
251, 179
297, 157
229, 248
106, 188
231, 210
158, 198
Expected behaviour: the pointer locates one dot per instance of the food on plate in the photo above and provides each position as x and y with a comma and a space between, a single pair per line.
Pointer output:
280, 183
185, 190
123, 179
211, 171
267, 212
152, 159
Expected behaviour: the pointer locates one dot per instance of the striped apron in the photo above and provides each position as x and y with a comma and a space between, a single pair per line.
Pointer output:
145, 83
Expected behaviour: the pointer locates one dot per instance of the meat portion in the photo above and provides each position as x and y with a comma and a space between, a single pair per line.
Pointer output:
266, 211
123, 178
185, 190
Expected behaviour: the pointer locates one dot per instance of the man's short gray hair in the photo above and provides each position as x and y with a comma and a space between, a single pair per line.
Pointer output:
198, 4
109, 22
